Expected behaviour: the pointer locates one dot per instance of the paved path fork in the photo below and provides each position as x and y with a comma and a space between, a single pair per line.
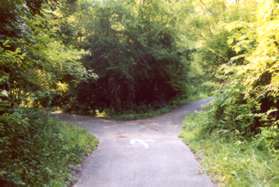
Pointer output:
141, 153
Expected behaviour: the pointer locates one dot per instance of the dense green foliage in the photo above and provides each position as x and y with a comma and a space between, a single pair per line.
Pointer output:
35, 64
246, 102
37, 150
36, 67
132, 47
238, 133
250, 102
231, 160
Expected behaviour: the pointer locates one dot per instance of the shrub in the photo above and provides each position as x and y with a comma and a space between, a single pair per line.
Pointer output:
36, 150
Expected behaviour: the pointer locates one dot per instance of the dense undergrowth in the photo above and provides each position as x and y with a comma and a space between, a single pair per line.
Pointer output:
237, 136
40, 151
36, 66
229, 158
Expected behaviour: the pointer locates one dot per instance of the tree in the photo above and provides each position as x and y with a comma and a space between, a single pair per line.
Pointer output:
33, 60
133, 50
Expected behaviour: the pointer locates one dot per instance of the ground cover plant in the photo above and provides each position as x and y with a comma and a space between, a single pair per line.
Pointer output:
37, 150
231, 160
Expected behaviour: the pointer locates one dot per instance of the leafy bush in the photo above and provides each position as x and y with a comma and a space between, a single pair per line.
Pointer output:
36, 150
134, 52
34, 61
249, 102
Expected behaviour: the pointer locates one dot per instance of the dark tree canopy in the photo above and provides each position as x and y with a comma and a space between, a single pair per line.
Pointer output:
134, 54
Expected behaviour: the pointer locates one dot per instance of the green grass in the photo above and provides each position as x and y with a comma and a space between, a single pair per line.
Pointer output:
77, 143
39, 151
148, 112
139, 112
229, 160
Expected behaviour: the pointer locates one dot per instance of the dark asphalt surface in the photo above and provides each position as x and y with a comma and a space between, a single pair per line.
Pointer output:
140, 153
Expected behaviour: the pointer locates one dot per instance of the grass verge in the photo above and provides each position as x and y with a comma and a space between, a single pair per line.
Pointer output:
40, 151
149, 111
229, 160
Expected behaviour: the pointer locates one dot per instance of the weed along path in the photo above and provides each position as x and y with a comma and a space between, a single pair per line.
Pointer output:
140, 153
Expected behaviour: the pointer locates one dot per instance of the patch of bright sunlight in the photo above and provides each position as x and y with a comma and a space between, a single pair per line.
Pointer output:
100, 114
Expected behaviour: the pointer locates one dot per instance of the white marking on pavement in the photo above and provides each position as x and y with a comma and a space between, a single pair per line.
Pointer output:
142, 142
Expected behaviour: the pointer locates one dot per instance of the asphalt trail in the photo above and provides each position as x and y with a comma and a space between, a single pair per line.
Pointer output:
140, 153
